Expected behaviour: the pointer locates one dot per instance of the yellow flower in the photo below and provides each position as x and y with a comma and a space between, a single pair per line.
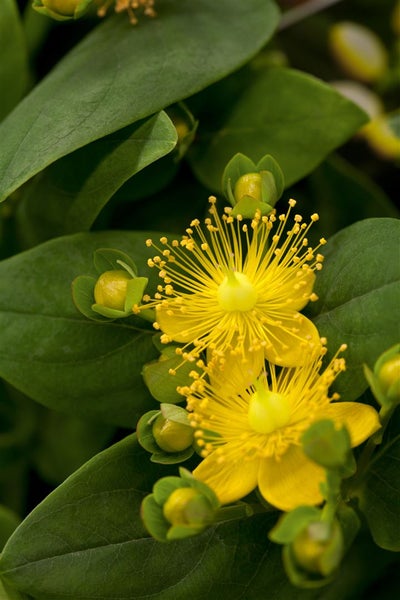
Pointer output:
236, 290
251, 437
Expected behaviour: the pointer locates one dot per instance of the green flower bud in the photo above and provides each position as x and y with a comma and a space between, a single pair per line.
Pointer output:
319, 548
389, 375
111, 288
187, 506
179, 507
385, 378
172, 436
62, 9
359, 51
329, 447
248, 185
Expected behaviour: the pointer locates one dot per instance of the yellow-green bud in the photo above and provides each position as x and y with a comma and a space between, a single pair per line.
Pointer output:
65, 8
110, 289
177, 508
248, 185
318, 549
389, 374
359, 51
172, 436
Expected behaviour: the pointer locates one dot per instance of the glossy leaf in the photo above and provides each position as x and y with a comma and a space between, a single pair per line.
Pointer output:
57, 356
379, 497
90, 528
68, 196
14, 72
294, 117
119, 74
359, 291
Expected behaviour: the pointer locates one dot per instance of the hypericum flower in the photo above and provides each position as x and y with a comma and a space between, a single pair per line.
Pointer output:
236, 290
130, 6
252, 437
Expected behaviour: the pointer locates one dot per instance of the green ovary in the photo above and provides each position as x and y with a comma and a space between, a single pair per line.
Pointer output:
268, 411
236, 293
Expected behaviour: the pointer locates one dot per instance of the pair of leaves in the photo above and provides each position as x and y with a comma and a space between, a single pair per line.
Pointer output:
128, 74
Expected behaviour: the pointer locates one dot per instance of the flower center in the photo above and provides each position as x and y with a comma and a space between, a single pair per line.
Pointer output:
236, 292
268, 411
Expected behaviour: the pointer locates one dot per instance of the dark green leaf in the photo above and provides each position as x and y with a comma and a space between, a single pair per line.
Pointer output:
379, 497
359, 291
119, 74
68, 196
52, 352
14, 73
86, 541
294, 117
64, 443
342, 195
8, 522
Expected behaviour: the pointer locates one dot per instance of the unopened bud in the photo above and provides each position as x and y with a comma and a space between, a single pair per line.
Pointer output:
318, 549
248, 185
62, 9
187, 506
172, 436
388, 375
359, 51
111, 288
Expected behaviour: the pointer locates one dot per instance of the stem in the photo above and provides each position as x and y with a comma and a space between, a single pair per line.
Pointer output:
298, 13
238, 511
36, 29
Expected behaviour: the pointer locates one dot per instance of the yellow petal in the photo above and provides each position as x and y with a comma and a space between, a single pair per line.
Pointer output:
295, 342
231, 480
292, 481
360, 419
305, 287
178, 326
236, 374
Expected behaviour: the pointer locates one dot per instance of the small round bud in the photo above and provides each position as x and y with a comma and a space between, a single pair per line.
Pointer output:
66, 8
389, 374
359, 51
318, 548
187, 506
172, 436
248, 185
110, 289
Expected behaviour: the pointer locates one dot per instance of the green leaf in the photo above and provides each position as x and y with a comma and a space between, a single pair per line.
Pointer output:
359, 291
294, 117
14, 74
64, 443
69, 195
379, 497
53, 353
343, 195
7, 593
89, 528
129, 74
8, 522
